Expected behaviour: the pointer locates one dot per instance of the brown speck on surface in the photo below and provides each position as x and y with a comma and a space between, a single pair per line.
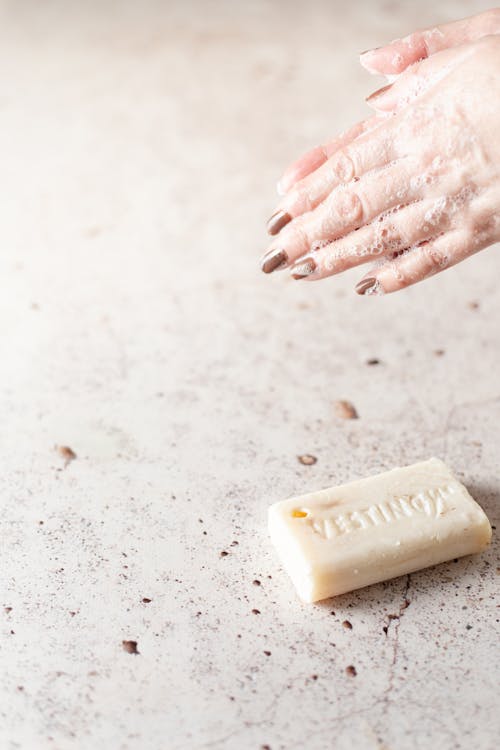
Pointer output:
145, 600
7, 610
468, 627
130, 647
439, 352
307, 459
474, 305
265, 747
314, 677
67, 453
351, 671
385, 629
267, 653
256, 582
405, 604
345, 410
347, 625
372, 361
234, 543
256, 611
72, 614
224, 553
20, 688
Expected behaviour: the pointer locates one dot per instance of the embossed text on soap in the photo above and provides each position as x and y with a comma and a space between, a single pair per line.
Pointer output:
431, 503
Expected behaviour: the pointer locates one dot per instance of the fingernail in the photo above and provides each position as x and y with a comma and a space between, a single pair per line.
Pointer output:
277, 221
378, 93
273, 260
303, 268
369, 50
365, 284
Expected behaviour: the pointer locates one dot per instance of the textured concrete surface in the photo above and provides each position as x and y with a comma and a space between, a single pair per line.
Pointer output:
140, 143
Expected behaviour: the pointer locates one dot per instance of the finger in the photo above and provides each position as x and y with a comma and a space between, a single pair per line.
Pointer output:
395, 57
415, 81
375, 149
420, 262
392, 232
347, 208
314, 158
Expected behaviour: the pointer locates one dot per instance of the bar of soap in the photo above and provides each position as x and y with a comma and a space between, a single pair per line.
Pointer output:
350, 536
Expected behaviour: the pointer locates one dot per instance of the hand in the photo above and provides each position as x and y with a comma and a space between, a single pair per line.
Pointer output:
417, 191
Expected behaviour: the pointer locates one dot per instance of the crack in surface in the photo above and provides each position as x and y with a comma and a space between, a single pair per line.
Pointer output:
395, 647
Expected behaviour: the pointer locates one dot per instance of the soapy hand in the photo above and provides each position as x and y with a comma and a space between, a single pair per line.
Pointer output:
415, 188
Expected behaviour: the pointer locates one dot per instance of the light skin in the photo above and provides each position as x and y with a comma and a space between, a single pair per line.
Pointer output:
415, 188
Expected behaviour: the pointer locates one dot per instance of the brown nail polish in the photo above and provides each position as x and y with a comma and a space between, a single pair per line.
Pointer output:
365, 284
378, 93
303, 268
277, 221
273, 260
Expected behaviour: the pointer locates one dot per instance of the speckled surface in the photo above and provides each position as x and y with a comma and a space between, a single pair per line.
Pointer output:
139, 146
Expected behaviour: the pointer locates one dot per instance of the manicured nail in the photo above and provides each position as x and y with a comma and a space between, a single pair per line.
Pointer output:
277, 221
378, 93
365, 284
273, 260
303, 268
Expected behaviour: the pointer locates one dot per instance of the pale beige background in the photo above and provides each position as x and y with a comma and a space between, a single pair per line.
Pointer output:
139, 147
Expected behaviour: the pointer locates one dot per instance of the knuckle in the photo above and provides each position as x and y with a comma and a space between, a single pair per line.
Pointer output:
350, 207
342, 167
436, 258
302, 199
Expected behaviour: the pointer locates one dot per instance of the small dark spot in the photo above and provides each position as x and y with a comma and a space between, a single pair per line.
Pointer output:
40, 523
351, 671
332, 613
224, 553
373, 361
455, 560
265, 747
7, 610
345, 410
234, 544
72, 614
130, 647
314, 677
393, 617
256, 582
200, 520
474, 305
385, 629
145, 600
347, 625
439, 352
256, 611
67, 453
12, 632
493, 527
468, 627
20, 688
267, 653
198, 614
405, 604
204, 533
307, 459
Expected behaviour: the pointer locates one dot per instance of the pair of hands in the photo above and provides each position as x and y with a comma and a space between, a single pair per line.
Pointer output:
414, 188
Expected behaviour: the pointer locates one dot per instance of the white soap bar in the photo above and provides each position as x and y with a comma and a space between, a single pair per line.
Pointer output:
350, 536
